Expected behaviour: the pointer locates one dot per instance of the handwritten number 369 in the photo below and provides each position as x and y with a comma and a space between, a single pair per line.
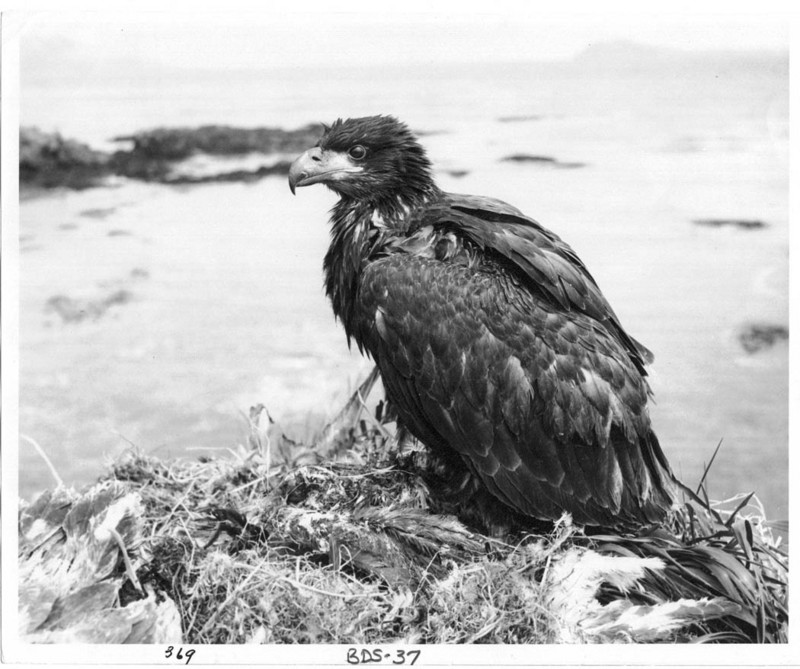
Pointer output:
180, 654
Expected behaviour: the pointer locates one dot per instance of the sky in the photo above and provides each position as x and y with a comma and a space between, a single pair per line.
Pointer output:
510, 32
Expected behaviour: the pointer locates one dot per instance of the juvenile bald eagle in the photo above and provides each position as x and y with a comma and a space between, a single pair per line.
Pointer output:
495, 345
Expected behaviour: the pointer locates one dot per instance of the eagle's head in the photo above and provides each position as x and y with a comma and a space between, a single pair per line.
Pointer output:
370, 158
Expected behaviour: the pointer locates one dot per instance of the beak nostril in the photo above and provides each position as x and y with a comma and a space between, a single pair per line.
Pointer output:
316, 159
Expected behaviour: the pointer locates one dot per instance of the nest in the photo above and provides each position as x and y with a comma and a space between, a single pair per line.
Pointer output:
344, 541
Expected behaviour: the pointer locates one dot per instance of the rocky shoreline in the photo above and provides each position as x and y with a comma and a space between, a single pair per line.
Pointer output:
161, 155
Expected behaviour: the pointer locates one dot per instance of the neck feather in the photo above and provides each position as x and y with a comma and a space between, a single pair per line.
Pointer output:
357, 226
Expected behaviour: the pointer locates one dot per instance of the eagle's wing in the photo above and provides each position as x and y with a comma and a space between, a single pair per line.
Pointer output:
542, 399
554, 269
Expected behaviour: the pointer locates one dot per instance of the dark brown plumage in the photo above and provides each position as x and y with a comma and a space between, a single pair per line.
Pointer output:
493, 340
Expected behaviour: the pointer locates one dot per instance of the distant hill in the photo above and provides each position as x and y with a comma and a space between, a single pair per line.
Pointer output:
631, 57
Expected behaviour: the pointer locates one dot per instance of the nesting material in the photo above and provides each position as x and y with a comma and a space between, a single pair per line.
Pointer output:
344, 542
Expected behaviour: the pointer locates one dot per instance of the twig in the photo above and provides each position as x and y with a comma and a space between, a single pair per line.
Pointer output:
44, 457
742, 504
129, 570
124, 438
298, 584
708, 467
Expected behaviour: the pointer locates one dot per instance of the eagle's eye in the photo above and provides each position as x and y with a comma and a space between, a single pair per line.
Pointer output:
357, 152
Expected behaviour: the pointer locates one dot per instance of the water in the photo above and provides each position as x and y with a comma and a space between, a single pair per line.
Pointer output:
227, 308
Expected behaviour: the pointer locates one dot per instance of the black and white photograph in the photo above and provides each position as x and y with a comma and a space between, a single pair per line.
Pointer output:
396, 336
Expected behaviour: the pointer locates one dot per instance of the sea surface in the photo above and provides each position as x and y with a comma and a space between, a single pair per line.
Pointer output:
208, 299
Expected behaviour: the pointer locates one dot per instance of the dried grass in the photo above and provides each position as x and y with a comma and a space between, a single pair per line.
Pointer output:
338, 542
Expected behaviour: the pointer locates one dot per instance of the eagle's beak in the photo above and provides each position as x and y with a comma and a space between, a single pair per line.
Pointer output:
317, 166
